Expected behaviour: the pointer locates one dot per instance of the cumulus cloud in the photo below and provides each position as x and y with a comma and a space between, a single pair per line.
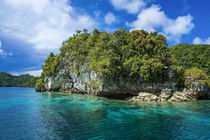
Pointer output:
42, 23
131, 6
110, 18
198, 40
35, 73
2, 52
153, 18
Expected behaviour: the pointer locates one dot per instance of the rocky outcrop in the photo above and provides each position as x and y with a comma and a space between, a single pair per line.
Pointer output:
195, 90
86, 81
187, 94
184, 96
40, 89
166, 96
201, 90
144, 96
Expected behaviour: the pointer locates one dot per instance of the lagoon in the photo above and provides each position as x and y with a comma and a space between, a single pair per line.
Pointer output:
28, 115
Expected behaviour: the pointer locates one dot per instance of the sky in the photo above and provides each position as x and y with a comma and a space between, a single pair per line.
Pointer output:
31, 29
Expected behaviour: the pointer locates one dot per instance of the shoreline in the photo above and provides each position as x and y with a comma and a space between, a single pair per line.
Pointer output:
164, 96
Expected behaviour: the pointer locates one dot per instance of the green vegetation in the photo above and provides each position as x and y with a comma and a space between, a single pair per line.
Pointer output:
50, 67
8, 80
94, 84
190, 56
196, 75
136, 54
40, 82
51, 64
180, 76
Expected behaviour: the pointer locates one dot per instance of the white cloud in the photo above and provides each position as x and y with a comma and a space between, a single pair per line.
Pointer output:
2, 52
110, 18
207, 41
131, 6
153, 18
34, 73
198, 40
42, 23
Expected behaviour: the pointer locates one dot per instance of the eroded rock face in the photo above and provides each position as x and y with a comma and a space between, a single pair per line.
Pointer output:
86, 81
166, 94
56, 82
197, 88
184, 96
170, 95
144, 96
89, 82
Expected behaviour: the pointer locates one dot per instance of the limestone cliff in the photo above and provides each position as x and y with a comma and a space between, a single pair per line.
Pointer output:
133, 65
87, 81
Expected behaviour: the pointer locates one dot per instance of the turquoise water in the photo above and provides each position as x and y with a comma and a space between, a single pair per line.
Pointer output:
27, 115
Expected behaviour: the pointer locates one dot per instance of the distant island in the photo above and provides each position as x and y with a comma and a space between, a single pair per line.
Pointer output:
135, 65
8, 80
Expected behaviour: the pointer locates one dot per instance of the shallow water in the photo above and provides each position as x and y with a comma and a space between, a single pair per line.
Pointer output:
27, 115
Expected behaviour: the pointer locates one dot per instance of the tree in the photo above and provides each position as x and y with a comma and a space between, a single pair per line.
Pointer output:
196, 75
51, 65
137, 54
189, 56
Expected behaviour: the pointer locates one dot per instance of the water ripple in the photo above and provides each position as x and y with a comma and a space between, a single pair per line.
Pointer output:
26, 115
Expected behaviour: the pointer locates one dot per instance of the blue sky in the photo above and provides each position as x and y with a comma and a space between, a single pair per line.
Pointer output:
30, 29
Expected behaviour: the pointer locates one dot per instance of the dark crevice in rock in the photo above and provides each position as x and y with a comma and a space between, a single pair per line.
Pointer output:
118, 96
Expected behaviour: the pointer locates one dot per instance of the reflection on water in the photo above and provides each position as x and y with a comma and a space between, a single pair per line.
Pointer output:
25, 114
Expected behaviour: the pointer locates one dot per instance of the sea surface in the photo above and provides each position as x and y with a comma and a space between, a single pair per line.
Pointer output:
28, 115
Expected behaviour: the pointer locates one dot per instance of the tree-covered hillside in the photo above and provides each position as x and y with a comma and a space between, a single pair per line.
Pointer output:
8, 80
137, 55
190, 56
